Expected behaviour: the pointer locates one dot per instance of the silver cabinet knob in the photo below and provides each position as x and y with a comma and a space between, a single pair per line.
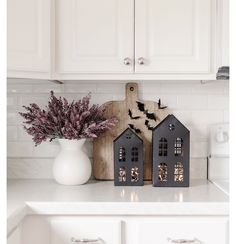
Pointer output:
193, 241
127, 61
141, 61
85, 240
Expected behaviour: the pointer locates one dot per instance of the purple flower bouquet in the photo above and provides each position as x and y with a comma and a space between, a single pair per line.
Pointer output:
64, 120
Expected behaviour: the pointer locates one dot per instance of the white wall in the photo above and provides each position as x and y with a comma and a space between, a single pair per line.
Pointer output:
196, 105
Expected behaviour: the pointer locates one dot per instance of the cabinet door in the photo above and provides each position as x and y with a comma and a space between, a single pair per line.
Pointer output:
174, 36
223, 32
166, 230
85, 229
94, 36
28, 38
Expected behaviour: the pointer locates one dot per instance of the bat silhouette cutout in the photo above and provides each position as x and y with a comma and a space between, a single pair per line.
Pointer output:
131, 115
138, 131
160, 106
150, 115
141, 107
148, 125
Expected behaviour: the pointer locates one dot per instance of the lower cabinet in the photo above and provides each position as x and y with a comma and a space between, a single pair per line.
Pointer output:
166, 230
124, 230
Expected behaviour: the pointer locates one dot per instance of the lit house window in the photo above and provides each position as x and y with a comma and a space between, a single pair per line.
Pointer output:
178, 147
122, 154
179, 172
162, 172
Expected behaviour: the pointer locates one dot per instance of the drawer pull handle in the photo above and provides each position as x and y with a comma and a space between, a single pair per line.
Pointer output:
193, 241
85, 240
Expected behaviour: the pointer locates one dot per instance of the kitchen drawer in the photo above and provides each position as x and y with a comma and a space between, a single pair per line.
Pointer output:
166, 230
97, 229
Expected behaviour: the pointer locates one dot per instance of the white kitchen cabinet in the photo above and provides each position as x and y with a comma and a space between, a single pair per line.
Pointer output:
28, 38
117, 39
223, 32
15, 237
99, 230
174, 37
166, 230
125, 229
94, 37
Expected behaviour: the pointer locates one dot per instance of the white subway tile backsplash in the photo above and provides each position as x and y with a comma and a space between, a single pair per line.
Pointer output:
210, 87
198, 168
80, 88
45, 149
101, 98
29, 168
185, 116
11, 101
110, 88
48, 87
226, 116
218, 102
20, 149
12, 134
40, 100
207, 117
196, 105
191, 101
12, 117
19, 88
198, 149
177, 88
22, 135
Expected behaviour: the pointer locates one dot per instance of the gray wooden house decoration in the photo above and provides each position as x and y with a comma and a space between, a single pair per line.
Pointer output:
128, 159
170, 152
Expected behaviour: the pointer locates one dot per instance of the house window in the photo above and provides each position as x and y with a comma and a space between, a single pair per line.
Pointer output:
134, 154
179, 172
179, 147
162, 172
134, 174
122, 174
163, 147
122, 154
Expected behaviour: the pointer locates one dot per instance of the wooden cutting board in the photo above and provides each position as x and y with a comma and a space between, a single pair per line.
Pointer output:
131, 113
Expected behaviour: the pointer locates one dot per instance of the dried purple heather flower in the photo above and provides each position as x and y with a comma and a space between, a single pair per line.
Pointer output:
61, 119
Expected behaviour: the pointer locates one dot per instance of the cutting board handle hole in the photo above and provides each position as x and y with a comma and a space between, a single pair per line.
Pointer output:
131, 88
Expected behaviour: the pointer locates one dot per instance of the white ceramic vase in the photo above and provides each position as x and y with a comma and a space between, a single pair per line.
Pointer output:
72, 165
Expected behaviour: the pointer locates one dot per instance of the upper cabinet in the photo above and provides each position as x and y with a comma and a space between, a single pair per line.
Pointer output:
28, 38
174, 37
115, 39
94, 36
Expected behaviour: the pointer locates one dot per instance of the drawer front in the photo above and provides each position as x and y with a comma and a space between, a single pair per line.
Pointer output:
91, 230
194, 230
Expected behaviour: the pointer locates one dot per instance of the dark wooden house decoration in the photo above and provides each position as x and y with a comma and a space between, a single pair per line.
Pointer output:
128, 159
170, 153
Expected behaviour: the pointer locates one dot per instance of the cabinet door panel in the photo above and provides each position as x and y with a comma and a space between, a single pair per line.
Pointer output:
28, 35
165, 230
174, 36
85, 228
94, 36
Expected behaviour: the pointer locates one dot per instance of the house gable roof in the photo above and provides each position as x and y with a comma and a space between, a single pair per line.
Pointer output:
125, 131
167, 118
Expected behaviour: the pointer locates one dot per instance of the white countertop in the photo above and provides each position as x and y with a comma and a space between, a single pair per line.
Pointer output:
102, 197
